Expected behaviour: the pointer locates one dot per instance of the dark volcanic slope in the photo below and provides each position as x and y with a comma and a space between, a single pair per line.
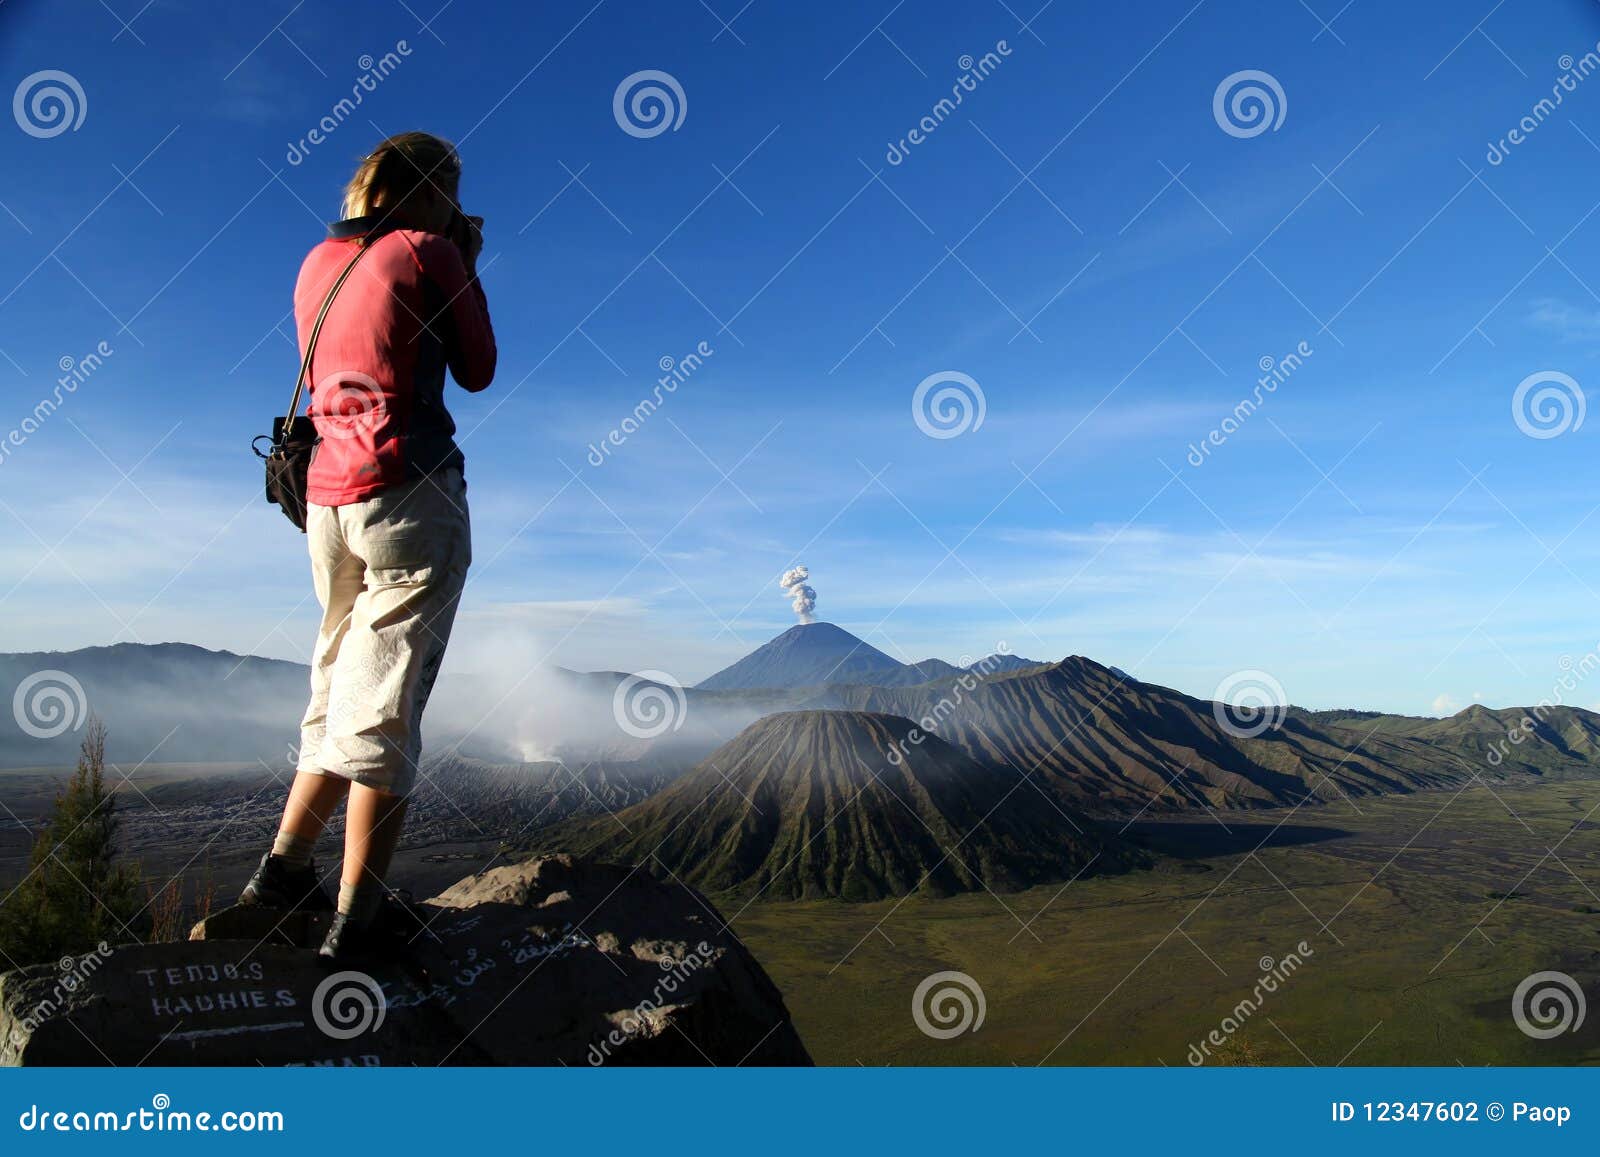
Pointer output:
1114, 744
807, 804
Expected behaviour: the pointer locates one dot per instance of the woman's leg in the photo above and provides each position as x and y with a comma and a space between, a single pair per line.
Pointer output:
312, 800
416, 547
338, 578
372, 825
285, 877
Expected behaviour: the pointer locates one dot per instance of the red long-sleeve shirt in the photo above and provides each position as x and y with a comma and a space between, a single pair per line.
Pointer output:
408, 310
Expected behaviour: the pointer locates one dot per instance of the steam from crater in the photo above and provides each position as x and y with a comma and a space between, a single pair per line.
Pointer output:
801, 597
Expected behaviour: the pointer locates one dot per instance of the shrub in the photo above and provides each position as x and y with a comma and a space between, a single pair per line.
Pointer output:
75, 894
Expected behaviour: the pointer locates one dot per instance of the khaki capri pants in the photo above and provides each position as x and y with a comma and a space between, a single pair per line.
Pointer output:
388, 572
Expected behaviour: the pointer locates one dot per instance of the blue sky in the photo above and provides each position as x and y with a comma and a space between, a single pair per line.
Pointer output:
1080, 237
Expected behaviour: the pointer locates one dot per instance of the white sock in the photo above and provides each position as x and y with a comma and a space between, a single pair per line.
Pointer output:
360, 901
293, 849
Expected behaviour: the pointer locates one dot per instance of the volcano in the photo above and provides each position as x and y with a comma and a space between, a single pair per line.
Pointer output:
852, 805
819, 654
807, 655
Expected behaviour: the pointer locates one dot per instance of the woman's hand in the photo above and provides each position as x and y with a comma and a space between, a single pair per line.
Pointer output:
468, 236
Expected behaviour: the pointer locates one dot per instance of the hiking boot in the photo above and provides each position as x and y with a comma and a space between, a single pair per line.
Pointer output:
388, 935
350, 940
279, 886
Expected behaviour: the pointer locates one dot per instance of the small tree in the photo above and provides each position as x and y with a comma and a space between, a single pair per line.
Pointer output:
75, 894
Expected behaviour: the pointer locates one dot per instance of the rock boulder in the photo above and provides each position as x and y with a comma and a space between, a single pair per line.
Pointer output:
552, 961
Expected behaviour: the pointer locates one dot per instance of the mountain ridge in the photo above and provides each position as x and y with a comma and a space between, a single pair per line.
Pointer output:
1105, 743
1113, 744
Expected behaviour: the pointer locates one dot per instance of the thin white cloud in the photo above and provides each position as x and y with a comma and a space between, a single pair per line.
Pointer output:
1569, 322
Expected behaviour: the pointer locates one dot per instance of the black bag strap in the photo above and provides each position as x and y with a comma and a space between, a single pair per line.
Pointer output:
316, 329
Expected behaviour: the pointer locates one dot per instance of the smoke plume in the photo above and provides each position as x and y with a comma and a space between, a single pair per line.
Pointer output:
801, 597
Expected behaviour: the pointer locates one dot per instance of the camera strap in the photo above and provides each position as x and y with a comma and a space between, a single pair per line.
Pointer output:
316, 329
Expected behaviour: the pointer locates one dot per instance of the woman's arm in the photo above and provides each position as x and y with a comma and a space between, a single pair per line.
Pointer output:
469, 342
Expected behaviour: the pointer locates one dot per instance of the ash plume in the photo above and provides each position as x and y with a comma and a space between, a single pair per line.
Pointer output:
801, 597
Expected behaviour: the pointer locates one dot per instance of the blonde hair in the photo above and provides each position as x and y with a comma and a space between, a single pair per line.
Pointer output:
397, 168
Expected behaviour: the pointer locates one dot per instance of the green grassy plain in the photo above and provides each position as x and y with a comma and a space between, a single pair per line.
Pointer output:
1422, 913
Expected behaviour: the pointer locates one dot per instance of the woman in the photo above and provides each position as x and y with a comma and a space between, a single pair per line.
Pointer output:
387, 518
